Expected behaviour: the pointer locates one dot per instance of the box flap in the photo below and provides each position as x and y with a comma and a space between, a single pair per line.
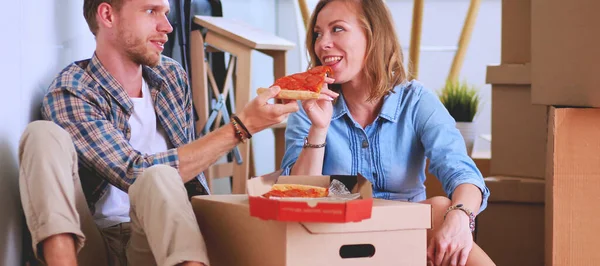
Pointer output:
262, 184
515, 189
519, 74
364, 187
386, 215
233, 199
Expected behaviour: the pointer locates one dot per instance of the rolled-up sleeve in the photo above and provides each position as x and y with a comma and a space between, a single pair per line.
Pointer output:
297, 129
444, 146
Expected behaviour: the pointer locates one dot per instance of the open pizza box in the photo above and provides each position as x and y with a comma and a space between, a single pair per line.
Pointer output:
354, 205
396, 234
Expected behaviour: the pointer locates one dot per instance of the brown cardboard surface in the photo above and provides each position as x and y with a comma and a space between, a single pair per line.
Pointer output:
513, 74
234, 238
573, 185
518, 126
515, 189
511, 229
518, 133
565, 53
516, 31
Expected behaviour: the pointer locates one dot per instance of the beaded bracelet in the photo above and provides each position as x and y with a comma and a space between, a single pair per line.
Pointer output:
239, 122
238, 133
466, 211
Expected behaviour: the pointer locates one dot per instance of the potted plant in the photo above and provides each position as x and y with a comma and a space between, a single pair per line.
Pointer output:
462, 102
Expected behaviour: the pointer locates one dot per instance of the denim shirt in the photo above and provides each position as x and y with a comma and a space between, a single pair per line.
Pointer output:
391, 152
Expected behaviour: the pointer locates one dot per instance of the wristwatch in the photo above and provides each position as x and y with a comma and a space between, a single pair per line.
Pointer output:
308, 145
469, 213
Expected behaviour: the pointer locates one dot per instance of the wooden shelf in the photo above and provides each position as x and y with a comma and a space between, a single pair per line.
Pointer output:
244, 34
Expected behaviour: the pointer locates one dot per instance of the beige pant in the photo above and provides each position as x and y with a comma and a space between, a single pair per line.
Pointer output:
163, 228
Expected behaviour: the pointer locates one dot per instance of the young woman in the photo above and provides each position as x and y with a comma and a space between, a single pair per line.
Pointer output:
371, 120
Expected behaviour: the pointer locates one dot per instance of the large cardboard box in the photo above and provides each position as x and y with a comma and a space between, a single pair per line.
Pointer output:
516, 31
511, 229
519, 128
565, 54
573, 187
395, 235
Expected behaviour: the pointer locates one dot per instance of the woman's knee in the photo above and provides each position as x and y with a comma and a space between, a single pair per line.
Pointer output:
440, 201
439, 205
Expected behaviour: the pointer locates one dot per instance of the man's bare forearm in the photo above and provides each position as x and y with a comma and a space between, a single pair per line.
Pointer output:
200, 154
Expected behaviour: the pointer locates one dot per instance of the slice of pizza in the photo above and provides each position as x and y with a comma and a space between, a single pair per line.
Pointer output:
297, 191
302, 86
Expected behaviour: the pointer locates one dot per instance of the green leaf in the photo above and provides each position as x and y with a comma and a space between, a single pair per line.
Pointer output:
461, 100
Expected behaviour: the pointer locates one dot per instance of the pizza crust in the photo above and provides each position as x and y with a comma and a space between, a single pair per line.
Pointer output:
296, 191
292, 94
284, 187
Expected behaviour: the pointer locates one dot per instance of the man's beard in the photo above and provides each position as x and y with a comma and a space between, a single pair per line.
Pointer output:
136, 50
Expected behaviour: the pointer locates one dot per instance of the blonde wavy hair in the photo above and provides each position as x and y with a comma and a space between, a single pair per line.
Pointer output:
384, 67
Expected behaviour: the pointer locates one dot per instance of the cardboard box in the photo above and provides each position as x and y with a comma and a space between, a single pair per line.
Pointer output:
519, 128
310, 210
395, 235
573, 187
511, 229
516, 31
565, 52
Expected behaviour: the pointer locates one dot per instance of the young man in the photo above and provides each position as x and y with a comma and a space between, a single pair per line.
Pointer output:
121, 139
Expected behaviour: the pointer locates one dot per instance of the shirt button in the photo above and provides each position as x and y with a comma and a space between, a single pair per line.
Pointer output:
365, 144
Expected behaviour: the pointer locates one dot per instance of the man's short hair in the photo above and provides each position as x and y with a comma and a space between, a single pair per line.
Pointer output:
90, 9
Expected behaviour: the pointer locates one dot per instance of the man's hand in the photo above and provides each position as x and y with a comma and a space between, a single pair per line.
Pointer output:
451, 244
259, 114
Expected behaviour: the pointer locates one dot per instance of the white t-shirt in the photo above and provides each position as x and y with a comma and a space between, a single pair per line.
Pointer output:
147, 137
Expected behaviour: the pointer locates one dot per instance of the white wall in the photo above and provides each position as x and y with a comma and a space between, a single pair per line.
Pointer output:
38, 39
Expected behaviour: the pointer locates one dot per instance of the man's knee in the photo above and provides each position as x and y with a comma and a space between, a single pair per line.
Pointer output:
41, 132
156, 176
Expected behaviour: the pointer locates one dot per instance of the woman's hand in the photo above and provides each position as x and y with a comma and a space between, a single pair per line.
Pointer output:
320, 110
452, 243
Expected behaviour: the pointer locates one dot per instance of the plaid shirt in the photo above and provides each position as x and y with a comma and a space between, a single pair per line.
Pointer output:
91, 105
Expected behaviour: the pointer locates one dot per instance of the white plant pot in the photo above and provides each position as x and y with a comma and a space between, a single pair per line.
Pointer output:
468, 132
